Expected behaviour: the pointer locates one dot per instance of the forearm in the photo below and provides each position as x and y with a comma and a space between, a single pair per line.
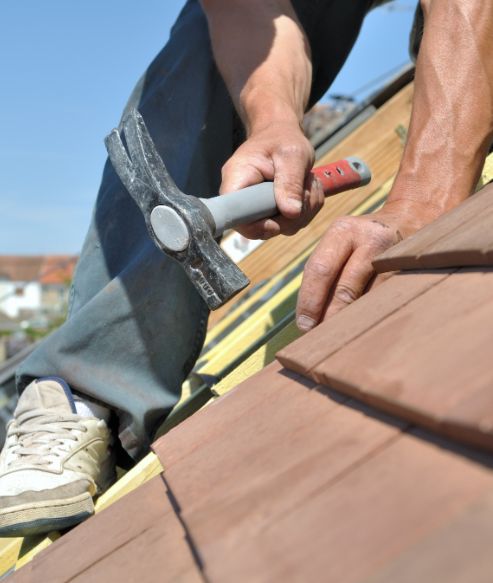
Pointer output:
452, 121
264, 58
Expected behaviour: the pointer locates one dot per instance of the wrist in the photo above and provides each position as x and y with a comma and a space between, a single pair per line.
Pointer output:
409, 214
260, 109
431, 188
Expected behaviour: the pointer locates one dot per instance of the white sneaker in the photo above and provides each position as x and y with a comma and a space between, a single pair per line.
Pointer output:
53, 462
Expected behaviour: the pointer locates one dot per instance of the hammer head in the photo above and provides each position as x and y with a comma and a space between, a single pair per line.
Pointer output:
179, 224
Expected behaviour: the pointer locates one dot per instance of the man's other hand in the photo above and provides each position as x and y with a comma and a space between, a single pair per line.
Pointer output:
278, 152
340, 269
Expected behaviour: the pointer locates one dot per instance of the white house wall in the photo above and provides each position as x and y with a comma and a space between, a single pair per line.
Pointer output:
11, 303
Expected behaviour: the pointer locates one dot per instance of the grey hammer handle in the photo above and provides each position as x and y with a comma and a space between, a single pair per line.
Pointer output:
241, 207
258, 202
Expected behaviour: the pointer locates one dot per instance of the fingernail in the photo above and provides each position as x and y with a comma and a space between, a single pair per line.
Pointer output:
305, 324
295, 204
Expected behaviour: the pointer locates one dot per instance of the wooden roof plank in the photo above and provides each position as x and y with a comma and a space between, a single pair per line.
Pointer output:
259, 359
355, 524
471, 245
251, 330
119, 527
271, 384
458, 552
458, 238
305, 354
426, 359
9, 551
282, 464
158, 554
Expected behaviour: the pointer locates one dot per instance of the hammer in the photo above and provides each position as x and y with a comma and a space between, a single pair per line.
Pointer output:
185, 227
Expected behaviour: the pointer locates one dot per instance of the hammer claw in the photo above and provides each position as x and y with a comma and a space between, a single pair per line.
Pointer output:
143, 196
119, 158
145, 156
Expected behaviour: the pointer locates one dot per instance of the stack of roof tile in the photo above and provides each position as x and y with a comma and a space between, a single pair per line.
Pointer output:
364, 455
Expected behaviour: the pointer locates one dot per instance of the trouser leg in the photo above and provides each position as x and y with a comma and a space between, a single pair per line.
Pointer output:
136, 324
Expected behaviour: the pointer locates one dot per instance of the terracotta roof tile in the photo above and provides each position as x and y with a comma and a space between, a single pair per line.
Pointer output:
462, 237
281, 418
283, 480
304, 354
20, 268
425, 361
57, 269
47, 269
139, 538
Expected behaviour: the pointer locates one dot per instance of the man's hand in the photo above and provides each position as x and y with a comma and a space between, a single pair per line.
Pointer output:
450, 132
340, 269
278, 152
264, 57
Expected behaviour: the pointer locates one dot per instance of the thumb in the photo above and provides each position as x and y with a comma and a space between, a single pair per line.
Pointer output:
238, 173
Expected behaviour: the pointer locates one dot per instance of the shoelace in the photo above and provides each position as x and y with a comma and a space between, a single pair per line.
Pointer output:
41, 437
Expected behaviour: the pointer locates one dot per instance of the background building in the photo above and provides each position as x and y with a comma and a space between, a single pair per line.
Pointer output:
33, 297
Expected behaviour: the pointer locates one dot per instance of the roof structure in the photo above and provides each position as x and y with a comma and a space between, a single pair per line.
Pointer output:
363, 454
47, 269
19, 267
57, 270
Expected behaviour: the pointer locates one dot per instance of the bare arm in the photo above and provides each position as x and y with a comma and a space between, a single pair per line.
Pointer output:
452, 121
264, 58
450, 131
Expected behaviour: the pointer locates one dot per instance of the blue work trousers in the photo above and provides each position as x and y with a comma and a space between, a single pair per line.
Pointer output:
136, 325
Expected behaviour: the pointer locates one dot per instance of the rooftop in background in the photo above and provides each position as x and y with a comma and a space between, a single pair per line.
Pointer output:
46, 269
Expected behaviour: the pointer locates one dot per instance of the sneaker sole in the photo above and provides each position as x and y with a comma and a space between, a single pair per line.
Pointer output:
45, 517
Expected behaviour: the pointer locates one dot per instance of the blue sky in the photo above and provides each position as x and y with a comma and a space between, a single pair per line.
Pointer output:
67, 69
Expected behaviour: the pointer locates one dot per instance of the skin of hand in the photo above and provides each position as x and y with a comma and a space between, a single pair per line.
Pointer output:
278, 152
268, 75
450, 132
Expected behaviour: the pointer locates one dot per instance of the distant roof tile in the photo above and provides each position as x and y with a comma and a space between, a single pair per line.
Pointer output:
57, 269
19, 267
47, 269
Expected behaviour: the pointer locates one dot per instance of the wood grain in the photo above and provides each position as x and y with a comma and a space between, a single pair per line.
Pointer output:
429, 361
139, 538
355, 524
247, 398
459, 238
305, 354
458, 552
